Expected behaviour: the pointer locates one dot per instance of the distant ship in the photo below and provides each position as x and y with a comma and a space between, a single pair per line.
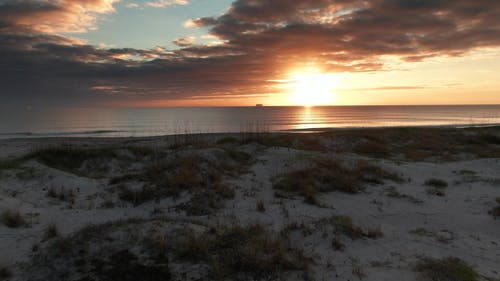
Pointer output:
259, 105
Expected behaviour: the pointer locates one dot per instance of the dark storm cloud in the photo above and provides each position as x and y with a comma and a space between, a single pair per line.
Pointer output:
260, 41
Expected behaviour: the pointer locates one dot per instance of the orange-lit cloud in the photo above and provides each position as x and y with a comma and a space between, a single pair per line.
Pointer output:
257, 42
166, 3
53, 16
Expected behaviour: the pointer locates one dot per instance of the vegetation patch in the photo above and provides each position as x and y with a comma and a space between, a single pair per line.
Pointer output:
92, 162
123, 265
166, 250
327, 175
260, 206
337, 244
227, 140
200, 175
436, 187
443, 236
446, 269
11, 164
12, 219
435, 192
495, 212
116, 251
50, 232
344, 225
309, 142
237, 250
394, 193
5, 273
438, 183
62, 193
71, 159
420, 144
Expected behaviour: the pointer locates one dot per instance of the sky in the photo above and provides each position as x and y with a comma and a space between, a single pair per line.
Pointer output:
155, 53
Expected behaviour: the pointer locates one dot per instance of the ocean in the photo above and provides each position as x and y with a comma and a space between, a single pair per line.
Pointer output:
136, 122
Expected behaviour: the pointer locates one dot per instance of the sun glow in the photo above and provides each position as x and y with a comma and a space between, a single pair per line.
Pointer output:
309, 87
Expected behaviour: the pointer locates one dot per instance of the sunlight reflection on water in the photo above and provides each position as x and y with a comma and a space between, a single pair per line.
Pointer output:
160, 121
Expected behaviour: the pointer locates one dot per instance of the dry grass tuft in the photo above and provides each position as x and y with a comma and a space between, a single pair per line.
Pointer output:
345, 225
394, 193
337, 244
50, 232
420, 144
329, 175
237, 250
91, 162
260, 206
200, 175
5, 273
438, 183
446, 269
62, 193
12, 219
495, 212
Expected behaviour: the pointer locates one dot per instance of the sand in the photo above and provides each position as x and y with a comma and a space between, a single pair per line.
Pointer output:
414, 223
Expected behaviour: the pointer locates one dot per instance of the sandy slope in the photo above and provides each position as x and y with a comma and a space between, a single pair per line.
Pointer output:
413, 226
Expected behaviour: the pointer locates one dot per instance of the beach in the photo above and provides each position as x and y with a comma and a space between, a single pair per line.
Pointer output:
352, 204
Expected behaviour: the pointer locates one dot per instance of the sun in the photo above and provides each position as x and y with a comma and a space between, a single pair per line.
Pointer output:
309, 87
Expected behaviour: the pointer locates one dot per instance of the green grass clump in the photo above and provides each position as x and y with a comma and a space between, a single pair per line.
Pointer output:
446, 269
12, 219
239, 250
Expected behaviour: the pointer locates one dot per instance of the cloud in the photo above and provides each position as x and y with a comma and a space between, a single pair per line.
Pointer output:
166, 3
48, 16
258, 42
132, 5
185, 41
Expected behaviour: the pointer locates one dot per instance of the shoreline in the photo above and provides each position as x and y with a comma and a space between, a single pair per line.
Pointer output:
81, 135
